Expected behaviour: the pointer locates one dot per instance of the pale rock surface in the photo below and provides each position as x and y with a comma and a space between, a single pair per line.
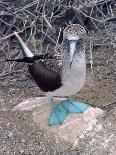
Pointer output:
74, 127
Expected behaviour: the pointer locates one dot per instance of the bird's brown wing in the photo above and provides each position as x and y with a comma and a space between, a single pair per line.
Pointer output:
46, 78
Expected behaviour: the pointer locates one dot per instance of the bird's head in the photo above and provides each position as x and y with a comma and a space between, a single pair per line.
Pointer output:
74, 33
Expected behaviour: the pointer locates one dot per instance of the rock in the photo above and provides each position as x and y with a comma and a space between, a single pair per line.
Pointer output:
74, 127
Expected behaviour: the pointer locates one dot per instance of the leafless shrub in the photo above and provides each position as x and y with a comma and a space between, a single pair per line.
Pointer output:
40, 23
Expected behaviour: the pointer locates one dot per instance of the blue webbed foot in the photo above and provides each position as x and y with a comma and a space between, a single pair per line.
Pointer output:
74, 106
57, 115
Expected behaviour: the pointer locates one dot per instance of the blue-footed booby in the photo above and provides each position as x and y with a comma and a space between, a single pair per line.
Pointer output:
65, 79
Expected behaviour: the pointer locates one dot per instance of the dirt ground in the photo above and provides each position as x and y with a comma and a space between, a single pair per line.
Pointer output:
20, 135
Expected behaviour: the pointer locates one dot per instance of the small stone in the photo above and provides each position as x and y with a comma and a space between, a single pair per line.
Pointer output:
21, 151
23, 140
10, 134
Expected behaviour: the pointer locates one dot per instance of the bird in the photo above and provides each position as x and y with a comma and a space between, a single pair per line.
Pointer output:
63, 77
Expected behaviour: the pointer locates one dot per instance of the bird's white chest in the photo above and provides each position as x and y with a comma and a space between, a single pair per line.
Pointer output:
73, 78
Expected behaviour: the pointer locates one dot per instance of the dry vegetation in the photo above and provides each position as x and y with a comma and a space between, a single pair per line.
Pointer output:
40, 24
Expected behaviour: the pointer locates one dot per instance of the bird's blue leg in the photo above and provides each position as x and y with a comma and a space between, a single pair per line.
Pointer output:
74, 106
58, 113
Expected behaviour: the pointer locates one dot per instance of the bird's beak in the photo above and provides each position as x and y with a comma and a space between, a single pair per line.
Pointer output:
72, 50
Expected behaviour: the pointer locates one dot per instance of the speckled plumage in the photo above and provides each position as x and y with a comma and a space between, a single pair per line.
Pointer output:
51, 75
58, 67
72, 78
61, 76
61, 56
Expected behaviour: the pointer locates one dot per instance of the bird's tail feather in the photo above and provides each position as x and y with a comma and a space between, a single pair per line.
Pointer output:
25, 49
113, 19
32, 59
28, 56
25, 59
